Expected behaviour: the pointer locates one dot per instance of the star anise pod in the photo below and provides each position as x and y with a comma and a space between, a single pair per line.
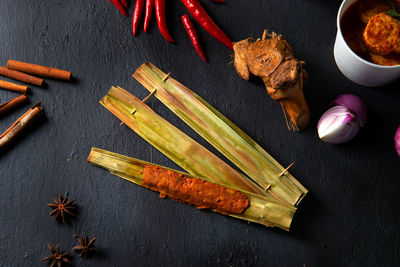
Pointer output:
85, 246
61, 208
57, 257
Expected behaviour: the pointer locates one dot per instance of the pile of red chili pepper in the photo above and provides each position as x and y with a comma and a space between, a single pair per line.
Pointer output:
195, 9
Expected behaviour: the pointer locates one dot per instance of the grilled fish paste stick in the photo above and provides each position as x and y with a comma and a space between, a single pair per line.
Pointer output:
199, 193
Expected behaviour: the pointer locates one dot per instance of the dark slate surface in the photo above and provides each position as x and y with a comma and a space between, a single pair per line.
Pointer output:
350, 217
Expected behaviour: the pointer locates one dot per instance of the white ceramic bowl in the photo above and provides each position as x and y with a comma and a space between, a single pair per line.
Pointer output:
354, 67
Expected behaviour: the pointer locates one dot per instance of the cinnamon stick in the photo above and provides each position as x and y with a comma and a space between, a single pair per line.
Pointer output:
39, 70
12, 104
20, 76
24, 122
13, 87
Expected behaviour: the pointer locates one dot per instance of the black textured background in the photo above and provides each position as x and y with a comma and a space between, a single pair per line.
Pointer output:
349, 218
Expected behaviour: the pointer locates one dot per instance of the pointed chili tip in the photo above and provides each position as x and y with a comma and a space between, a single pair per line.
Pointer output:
120, 7
125, 3
204, 58
168, 38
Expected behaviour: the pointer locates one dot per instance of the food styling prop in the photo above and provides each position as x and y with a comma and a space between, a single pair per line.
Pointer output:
21, 124
271, 58
172, 142
397, 141
195, 9
120, 7
17, 75
200, 15
13, 87
159, 5
194, 38
85, 245
39, 70
124, 3
136, 15
62, 208
343, 121
354, 67
57, 257
149, 13
262, 209
221, 133
12, 104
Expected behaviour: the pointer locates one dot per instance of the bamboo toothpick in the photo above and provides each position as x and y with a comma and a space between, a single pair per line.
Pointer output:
166, 77
152, 93
144, 101
285, 170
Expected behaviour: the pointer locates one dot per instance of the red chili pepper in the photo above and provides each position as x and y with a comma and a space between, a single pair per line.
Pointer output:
161, 20
136, 15
125, 3
218, 1
198, 12
149, 13
120, 7
191, 31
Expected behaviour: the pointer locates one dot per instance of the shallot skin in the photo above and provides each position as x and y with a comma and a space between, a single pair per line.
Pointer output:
342, 122
338, 125
397, 141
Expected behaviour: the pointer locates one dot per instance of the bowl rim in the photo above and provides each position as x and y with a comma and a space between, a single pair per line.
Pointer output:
341, 10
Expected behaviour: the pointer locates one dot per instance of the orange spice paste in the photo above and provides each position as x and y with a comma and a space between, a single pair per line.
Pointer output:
197, 192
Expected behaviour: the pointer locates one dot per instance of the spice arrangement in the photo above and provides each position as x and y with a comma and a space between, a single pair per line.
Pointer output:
194, 7
256, 188
267, 179
62, 209
17, 70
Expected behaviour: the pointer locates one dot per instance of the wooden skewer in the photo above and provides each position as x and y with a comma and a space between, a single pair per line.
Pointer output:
285, 170
144, 100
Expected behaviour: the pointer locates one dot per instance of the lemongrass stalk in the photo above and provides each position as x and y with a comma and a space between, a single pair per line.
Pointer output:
220, 132
262, 210
175, 144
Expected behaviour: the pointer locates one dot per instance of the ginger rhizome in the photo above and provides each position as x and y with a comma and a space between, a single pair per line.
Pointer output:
271, 58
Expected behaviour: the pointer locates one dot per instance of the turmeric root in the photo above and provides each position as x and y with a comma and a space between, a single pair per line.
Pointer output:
272, 59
